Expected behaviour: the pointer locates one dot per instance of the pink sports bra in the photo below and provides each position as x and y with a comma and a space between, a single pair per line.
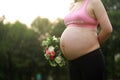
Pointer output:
80, 18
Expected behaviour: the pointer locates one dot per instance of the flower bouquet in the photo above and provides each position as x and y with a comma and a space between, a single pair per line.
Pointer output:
52, 51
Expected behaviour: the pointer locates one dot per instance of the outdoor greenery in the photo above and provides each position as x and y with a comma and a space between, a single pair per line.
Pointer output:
21, 52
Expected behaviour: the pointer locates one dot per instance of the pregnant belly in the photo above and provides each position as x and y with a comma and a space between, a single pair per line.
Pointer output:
76, 42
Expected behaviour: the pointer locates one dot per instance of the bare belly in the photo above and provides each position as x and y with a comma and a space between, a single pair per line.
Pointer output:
77, 41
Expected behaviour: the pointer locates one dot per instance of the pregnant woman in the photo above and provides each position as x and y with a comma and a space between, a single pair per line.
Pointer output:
80, 41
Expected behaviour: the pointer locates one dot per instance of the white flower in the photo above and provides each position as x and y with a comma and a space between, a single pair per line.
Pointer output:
54, 38
58, 59
51, 48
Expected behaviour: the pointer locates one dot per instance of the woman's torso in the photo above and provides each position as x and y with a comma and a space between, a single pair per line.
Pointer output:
78, 40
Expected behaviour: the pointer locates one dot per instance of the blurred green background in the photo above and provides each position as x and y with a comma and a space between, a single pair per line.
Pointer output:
21, 52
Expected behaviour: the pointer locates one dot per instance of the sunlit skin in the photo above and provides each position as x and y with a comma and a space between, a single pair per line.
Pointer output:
78, 41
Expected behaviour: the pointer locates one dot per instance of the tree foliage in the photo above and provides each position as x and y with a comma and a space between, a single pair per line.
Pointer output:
58, 27
111, 5
19, 49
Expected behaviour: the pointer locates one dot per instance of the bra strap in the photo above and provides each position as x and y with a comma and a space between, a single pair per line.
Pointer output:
86, 3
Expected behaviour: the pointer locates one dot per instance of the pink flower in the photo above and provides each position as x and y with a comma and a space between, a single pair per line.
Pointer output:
53, 53
47, 51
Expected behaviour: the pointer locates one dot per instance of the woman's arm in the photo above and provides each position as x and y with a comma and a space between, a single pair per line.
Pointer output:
103, 19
